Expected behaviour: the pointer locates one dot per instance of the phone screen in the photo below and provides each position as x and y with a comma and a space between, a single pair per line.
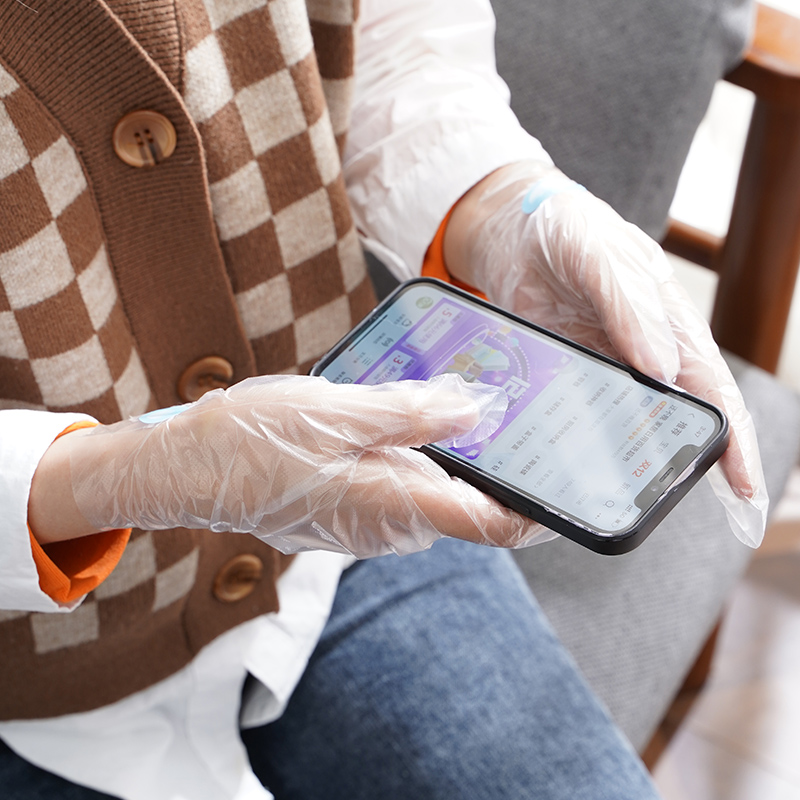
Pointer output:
581, 436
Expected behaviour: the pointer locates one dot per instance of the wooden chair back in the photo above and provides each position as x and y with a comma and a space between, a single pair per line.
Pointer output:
757, 261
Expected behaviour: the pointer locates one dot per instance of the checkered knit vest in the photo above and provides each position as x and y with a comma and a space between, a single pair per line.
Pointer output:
113, 279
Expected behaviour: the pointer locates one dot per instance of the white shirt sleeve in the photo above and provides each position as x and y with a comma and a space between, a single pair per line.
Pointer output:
430, 119
24, 437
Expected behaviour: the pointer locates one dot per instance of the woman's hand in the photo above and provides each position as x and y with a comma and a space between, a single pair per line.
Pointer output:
545, 248
301, 463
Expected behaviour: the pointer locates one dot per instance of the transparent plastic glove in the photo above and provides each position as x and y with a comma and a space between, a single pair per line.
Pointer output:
305, 464
543, 247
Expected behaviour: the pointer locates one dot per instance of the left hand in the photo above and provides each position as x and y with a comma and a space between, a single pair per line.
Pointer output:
573, 265
296, 461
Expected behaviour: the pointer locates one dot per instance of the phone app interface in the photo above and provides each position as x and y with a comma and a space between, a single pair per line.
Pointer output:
580, 436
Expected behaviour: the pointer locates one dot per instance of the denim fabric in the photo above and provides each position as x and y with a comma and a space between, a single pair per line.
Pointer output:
437, 676
20, 780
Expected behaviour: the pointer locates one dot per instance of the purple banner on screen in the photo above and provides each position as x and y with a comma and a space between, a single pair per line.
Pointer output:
453, 338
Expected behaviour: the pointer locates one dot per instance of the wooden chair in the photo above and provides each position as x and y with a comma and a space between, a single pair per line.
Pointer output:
757, 261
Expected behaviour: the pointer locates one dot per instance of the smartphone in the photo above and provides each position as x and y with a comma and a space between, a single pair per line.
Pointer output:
589, 447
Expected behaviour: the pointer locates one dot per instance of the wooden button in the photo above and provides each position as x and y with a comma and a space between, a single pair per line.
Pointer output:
237, 579
144, 138
211, 372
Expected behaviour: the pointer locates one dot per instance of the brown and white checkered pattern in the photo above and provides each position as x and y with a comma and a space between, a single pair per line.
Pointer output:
149, 578
65, 345
256, 89
270, 91
64, 340
140, 575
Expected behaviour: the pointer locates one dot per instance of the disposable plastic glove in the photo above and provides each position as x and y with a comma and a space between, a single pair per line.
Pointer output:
540, 245
305, 464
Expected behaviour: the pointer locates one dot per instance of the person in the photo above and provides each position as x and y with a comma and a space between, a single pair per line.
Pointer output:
175, 219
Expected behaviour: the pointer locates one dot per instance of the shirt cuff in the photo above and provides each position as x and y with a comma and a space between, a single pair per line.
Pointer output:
25, 435
433, 264
71, 569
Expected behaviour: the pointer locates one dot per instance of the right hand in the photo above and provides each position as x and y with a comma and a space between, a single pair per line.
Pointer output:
573, 265
302, 463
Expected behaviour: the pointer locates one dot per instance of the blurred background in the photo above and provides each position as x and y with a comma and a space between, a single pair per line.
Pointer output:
741, 740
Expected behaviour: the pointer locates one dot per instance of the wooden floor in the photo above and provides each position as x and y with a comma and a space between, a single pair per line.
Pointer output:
741, 739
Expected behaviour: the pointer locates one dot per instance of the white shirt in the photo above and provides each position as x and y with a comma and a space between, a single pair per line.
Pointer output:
430, 119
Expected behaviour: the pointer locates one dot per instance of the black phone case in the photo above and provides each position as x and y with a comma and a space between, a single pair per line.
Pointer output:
599, 542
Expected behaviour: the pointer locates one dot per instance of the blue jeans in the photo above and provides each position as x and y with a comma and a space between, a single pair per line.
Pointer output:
437, 676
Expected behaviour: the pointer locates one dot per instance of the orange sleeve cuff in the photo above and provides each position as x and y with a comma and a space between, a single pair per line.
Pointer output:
68, 570
433, 265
